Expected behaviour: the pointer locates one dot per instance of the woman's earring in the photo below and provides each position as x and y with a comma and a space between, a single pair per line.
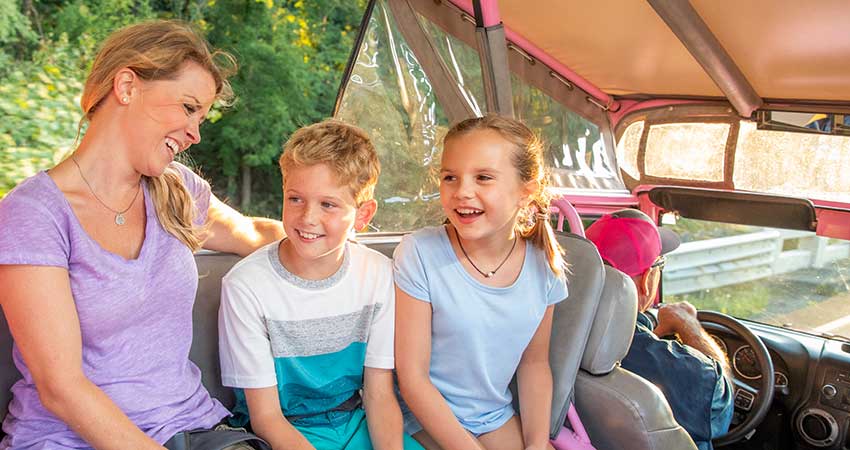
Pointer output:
125, 99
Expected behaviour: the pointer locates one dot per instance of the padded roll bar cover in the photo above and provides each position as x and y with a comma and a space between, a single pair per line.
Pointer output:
8, 372
204, 353
745, 208
613, 325
621, 410
572, 319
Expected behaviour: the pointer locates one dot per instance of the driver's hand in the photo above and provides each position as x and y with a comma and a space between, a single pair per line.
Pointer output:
677, 318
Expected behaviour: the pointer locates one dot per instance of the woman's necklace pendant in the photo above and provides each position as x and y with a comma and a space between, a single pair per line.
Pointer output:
490, 274
120, 219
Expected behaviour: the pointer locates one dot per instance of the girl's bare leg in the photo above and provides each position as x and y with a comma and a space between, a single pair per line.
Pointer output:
426, 440
506, 437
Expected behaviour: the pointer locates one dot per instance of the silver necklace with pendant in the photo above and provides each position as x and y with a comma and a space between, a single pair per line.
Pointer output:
120, 219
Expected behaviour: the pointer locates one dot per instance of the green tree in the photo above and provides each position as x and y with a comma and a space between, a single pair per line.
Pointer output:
41, 80
16, 35
290, 56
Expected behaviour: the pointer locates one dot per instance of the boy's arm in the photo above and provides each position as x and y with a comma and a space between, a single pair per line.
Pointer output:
383, 415
413, 360
268, 422
247, 362
534, 382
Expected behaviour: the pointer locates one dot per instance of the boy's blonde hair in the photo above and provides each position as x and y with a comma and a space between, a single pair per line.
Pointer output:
346, 149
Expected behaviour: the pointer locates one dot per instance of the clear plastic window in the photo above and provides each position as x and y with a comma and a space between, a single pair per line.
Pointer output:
693, 151
389, 96
627, 149
799, 164
575, 150
778, 277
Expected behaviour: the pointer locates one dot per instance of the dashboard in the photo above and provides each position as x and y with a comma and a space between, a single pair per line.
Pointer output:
811, 405
745, 365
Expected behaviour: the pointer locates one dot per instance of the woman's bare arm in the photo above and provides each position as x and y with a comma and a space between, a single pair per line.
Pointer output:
232, 232
42, 317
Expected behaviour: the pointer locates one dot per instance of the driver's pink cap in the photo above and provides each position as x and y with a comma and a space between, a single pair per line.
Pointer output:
629, 241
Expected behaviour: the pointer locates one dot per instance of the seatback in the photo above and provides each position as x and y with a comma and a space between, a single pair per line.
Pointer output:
619, 409
571, 322
570, 330
8, 372
211, 268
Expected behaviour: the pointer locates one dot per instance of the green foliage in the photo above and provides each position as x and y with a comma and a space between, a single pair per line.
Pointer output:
38, 103
745, 300
16, 34
40, 87
91, 21
291, 54
690, 230
269, 86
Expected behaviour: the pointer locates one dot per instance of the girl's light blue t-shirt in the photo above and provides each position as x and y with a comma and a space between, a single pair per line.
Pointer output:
478, 332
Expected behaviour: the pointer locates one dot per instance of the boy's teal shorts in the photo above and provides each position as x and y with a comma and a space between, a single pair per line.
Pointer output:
351, 435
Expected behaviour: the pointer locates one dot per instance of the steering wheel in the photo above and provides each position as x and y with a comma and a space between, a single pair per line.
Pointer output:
763, 396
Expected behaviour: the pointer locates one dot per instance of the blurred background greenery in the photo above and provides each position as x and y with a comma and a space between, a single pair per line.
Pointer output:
291, 58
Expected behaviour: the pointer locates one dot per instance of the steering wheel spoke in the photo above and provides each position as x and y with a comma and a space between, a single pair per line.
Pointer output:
742, 386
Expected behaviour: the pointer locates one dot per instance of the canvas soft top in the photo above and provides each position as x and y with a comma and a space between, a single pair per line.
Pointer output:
785, 49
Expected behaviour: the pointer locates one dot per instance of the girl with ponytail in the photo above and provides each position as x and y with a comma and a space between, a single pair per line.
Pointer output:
474, 298
96, 256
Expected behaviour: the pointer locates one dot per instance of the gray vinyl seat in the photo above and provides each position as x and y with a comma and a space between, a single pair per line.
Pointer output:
572, 321
620, 410
571, 324
570, 328
8, 372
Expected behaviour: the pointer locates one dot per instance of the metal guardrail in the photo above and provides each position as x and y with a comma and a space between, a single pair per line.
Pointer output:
725, 261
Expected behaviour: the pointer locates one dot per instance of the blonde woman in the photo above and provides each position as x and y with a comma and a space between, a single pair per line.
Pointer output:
96, 256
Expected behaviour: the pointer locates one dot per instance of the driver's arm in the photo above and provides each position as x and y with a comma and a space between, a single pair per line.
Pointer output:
681, 319
722, 405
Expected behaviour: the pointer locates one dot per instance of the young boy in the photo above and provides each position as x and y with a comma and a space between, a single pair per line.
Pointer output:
307, 322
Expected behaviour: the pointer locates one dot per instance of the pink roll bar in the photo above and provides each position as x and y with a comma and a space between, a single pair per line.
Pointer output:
490, 11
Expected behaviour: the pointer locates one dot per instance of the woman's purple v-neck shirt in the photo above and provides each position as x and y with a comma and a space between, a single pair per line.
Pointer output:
135, 317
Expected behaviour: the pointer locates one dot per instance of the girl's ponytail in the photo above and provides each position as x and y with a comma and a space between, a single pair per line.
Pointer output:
538, 230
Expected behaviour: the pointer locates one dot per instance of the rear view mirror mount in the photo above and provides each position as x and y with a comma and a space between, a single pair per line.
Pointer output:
804, 122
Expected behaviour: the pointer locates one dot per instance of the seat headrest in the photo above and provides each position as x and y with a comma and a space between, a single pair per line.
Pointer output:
614, 324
